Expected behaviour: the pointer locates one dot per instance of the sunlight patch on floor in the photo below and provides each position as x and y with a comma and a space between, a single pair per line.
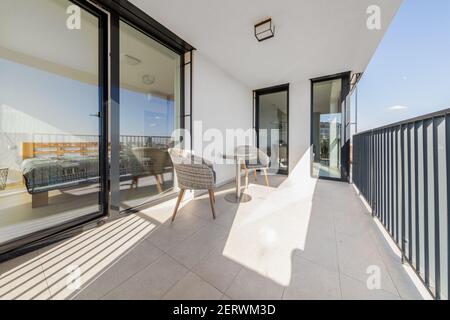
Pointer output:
267, 230
57, 272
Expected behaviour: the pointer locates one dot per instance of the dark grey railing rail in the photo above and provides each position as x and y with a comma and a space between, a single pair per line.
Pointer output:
137, 141
403, 172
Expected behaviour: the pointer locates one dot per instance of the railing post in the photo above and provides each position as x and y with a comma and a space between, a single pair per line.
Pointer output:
405, 244
372, 173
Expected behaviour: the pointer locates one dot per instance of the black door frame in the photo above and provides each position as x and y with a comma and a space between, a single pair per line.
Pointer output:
40, 238
109, 12
260, 92
345, 90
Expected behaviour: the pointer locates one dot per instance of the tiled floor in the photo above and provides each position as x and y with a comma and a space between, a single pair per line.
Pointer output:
18, 217
303, 239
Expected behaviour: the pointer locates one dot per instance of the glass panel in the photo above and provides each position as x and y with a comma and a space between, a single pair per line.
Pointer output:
273, 128
49, 124
149, 112
326, 126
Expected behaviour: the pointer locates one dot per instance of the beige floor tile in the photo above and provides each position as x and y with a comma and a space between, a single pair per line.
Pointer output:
171, 234
320, 248
197, 246
249, 285
218, 269
129, 264
151, 283
357, 255
296, 240
311, 281
356, 290
354, 225
192, 287
74, 263
201, 207
22, 278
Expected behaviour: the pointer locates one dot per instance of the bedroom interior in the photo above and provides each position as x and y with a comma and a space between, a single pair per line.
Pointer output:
51, 135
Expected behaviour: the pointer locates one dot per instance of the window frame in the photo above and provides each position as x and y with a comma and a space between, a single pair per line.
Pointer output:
110, 12
345, 89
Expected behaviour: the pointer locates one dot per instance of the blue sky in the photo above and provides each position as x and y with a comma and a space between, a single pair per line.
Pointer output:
56, 104
409, 74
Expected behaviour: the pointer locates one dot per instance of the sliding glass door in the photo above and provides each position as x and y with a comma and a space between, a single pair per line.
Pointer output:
51, 111
88, 105
328, 96
149, 113
272, 126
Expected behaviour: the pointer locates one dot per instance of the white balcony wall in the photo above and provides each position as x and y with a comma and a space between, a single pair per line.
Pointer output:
220, 103
299, 128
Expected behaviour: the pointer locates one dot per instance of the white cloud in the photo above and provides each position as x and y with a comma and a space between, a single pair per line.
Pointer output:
398, 108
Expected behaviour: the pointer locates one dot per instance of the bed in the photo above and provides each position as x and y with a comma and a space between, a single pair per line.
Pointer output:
57, 166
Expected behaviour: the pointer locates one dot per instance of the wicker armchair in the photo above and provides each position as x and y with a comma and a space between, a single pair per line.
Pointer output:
3, 178
261, 162
151, 161
193, 173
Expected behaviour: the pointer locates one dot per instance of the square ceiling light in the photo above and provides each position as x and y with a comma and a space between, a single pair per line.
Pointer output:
264, 30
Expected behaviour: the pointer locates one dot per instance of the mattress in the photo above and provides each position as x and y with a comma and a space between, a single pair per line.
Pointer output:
46, 174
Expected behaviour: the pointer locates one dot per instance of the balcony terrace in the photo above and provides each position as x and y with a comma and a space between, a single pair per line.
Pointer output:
295, 240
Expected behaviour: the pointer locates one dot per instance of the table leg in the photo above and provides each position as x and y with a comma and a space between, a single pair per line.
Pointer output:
238, 180
238, 196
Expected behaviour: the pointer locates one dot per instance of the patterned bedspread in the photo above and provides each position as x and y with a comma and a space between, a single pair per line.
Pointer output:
46, 174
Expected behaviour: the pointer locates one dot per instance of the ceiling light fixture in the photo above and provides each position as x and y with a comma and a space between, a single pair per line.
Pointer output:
264, 30
148, 79
132, 61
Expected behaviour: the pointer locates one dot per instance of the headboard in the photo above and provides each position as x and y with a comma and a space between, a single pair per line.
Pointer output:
58, 149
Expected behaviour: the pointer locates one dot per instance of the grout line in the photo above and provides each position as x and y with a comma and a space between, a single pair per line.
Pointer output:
385, 265
204, 258
178, 242
176, 282
209, 251
172, 257
41, 266
412, 277
376, 251
234, 278
388, 238
211, 284
375, 290
284, 291
112, 265
337, 257
131, 276
318, 264
191, 269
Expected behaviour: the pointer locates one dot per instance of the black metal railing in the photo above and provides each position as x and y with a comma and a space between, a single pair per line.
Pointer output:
125, 140
402, 170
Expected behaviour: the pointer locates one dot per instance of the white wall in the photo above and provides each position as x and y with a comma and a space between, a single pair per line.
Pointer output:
220, 102
299, 127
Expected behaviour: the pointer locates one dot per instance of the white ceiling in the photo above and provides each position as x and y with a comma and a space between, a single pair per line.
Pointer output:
313, 37
327, 95
36, 35
38, 30
156, 61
